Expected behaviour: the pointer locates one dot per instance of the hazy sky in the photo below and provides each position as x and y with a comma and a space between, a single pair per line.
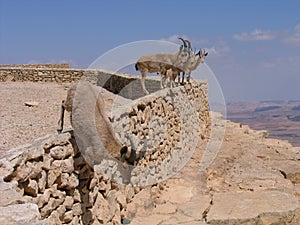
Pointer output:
254, 46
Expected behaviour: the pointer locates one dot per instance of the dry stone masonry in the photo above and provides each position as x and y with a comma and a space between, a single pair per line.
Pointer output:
164, 128
54, 184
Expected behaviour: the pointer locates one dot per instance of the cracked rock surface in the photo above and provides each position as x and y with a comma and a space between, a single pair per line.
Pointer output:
253, 180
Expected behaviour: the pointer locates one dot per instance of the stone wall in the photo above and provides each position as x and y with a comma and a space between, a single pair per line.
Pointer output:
48, 66
40, 74
128, 86
53, 176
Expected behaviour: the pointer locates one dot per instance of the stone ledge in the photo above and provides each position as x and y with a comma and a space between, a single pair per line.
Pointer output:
252, 207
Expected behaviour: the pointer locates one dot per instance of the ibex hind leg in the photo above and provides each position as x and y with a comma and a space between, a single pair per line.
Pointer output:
178, 79
182, 79
163, 82
188, 78
61, 119
144, 74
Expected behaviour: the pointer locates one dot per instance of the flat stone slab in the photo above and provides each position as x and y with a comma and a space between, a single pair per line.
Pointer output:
8, 194
240, 207
19, 214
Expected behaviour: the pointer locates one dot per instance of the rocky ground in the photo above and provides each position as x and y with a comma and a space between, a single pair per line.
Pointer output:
253, 179
22, 124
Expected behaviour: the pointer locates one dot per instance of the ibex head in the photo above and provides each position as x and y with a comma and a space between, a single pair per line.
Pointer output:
202, 55
184, 53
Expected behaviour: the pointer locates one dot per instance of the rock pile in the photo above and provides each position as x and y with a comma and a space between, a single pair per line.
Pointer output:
50, 180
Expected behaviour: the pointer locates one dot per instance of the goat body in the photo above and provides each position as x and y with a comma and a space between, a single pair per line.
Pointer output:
192, 65
160, 63
89, 119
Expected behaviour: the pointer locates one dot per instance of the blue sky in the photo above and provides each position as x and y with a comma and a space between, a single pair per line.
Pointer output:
254, 46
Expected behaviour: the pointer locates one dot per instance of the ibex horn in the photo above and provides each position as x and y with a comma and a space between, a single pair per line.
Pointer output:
183, 42
189, 44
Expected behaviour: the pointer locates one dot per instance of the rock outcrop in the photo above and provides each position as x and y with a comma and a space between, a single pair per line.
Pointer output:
253, 180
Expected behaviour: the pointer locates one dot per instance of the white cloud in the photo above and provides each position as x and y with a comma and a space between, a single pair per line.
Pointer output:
255, 35
218, 48
294, 37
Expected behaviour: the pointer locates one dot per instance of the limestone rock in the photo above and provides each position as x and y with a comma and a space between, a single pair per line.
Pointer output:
8, 194
101, 209
68, 216
32, 188
76, 196
42, 181
68, 203
55, 140
77, 209
19, 214
52, 177
129, 192
60, 152
31, 104
53, 219
131, 210
195, 209
6, 168
47, 161
68, 182
75, 221
66, 165
167, 208
121, 199
248, 206
50, 206
61, 211
290, 169
42, 199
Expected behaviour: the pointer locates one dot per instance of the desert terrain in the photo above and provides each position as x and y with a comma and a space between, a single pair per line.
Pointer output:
280, 118
253, 179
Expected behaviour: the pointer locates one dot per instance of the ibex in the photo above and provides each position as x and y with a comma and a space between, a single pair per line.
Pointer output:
192, 64
103, 127
162, 62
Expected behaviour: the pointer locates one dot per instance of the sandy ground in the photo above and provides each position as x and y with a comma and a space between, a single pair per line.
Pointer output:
22, 124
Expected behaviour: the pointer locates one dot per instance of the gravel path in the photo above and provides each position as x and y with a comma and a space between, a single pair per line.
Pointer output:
22, 124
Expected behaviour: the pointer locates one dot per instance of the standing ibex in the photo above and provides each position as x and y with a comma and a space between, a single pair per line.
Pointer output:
192, 63
160, 63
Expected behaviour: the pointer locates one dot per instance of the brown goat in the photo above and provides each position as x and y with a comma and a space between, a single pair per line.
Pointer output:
89, 118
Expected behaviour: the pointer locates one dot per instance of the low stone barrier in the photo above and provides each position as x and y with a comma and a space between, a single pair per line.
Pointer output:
52, 173
128, 86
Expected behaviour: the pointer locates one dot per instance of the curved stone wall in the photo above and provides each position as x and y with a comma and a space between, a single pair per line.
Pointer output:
52, 174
